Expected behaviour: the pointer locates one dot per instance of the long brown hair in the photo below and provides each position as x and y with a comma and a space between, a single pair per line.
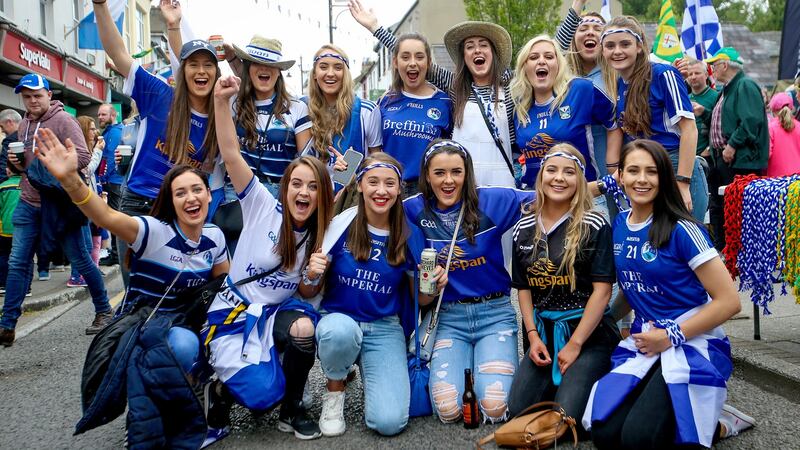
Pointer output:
461, 88
579, 207
178, 146
318, 221
88, 136
328, 122
358, 239
636, 117
246, 116
397, 82
469, 190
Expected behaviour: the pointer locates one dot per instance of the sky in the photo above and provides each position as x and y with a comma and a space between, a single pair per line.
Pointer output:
301, 26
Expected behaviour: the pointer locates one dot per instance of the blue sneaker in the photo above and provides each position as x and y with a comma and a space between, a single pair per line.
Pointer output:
44, 275
215, 434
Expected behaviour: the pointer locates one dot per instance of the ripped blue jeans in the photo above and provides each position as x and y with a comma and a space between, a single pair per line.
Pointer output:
482, 337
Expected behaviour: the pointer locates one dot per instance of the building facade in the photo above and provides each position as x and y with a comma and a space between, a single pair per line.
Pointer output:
41, 36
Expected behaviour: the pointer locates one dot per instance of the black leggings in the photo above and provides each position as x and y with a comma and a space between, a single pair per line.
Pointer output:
298, 356
645, 420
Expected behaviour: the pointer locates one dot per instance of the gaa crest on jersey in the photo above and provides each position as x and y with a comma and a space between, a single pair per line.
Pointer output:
564, 112
649, 253
434, 113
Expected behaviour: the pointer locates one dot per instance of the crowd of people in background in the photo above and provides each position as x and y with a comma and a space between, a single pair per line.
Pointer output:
311, 214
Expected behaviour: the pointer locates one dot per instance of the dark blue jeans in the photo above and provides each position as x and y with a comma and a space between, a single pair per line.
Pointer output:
27, 231
87, 244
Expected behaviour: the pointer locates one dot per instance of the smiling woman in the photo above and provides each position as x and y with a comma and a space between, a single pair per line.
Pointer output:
278, 236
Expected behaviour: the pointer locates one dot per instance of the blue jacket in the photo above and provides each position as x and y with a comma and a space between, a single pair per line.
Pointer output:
163, 410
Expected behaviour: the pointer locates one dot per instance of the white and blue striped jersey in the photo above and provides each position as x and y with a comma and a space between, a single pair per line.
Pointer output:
161, 252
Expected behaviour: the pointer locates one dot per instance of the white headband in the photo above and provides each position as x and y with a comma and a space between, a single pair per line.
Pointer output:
565, 155
620, 30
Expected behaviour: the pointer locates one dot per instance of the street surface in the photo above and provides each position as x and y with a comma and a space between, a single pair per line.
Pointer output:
40, 404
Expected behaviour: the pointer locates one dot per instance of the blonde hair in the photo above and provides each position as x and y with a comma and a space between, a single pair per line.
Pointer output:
580, 206
784, 115
328, 122
521, 88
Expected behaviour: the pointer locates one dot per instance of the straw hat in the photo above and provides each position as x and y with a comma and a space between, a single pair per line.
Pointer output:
265, 51
495, 33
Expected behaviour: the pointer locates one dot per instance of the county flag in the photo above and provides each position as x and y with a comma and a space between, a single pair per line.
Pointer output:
666, 45
701, 33
88, 36
605, 11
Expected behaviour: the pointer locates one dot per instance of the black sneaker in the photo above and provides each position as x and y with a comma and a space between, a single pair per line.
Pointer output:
299, 423
217, 405
109, 261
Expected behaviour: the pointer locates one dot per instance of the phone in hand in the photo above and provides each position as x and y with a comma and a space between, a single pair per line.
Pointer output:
353, 159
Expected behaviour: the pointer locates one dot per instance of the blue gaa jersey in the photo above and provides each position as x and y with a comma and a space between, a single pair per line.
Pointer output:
476, 269
669, 102
584, 105
276, 145
153, 96
410, 123
161, 251
661, 283
365, 290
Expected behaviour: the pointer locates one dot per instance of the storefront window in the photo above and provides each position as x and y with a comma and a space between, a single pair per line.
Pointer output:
43, 16
76, 18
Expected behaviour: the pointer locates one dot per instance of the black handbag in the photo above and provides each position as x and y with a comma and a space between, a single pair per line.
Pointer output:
228, 218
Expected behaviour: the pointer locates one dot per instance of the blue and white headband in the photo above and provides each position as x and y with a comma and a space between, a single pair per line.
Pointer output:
565, 155
264, 54
377, 165
446, 143
620, 30
332, 55
591, 19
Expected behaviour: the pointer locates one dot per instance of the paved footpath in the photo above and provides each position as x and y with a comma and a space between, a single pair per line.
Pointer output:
40, 398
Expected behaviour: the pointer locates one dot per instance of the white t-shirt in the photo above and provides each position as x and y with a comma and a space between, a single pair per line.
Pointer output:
262, 219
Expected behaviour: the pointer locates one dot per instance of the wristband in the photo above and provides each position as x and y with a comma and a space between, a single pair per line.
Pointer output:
98, 3
308, 281
683, 179
533, 331
85, 200
674, 332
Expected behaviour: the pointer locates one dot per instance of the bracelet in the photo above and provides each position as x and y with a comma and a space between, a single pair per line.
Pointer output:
231, 60
85, 200
98, 3
683, 179
616, 164
308, 281
674, 332
533, 330
174, 29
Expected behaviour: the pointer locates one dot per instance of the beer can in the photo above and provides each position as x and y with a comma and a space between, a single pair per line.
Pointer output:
216, 41
427, 285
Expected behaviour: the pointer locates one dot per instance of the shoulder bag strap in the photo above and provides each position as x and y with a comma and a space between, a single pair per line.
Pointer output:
435, 315
496, 138
261, 275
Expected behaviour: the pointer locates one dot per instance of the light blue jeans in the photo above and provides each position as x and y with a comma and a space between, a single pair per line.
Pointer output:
698, 188
185, 345
481, 337
379, 348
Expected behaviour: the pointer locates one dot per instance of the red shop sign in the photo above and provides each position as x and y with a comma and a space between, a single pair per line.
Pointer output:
85, 82
31, 56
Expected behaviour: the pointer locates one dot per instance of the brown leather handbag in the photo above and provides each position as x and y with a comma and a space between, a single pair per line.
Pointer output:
536, 430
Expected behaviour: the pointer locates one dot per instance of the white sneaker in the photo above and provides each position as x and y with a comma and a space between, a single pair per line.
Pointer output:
734, 421
331, 421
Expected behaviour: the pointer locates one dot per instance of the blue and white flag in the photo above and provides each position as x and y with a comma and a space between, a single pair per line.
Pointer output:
88, 36
605, 10
701, 33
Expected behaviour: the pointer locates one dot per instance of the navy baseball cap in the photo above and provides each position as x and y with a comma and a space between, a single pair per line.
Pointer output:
195, 46
33, 82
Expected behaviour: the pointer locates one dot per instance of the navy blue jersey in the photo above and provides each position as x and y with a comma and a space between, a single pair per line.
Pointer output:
153, 96
660, 283
365, 290
584, 105
476, 269
410, 123
669, 102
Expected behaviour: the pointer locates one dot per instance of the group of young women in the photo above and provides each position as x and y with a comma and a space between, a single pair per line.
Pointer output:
302, 283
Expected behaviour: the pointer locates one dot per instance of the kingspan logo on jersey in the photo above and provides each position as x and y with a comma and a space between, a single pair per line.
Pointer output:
460, 260
277, 280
